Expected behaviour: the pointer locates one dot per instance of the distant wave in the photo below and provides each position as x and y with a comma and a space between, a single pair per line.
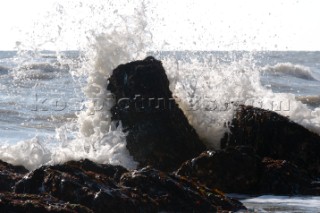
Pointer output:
45, 67
34, 74
4, 70
53, 56
40, 71
295, 70
310, 100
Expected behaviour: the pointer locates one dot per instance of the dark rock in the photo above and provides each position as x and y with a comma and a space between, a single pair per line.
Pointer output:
28, 203
100, 188
9, 175
285, 178
158, 132
240, 170
233, 170
272, 135
265, 153
173, 193
89, 184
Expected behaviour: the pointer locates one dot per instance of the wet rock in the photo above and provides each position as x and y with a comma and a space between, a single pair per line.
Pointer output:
100, 188
285, 178
9, 175
240, 170
264, 153
177, 194
234, 170
28, 203
86, 183
275, 136
158, 132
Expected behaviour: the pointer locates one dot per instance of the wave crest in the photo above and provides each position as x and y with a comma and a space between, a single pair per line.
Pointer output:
295, 70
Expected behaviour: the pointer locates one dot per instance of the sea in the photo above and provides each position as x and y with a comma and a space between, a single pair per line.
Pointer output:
55, 105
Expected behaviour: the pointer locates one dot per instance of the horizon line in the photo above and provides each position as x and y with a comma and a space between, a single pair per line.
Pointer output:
186, 50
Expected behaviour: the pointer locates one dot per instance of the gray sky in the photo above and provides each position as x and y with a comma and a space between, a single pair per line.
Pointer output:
175, 24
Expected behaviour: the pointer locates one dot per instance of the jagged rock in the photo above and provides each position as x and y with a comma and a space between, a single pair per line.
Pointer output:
275, 136
29, 203
233, 170
9, 175
158, 132
100, 188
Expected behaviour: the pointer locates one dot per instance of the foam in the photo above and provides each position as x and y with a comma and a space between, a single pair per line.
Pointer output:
98, 134
29, 153
271, 203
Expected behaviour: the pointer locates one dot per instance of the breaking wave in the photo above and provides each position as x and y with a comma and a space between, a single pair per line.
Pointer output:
290, 69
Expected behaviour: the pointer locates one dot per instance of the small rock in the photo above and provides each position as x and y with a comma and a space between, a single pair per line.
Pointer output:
233, 170
9, 175
284, 178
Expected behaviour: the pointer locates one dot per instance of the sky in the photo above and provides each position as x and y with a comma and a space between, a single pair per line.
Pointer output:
174, 24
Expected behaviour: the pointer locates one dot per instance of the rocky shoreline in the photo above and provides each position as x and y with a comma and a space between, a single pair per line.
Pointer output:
264, 153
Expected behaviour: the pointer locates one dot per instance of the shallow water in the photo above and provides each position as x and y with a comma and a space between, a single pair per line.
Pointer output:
283, 204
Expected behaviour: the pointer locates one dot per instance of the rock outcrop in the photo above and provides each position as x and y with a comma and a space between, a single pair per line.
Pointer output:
264, 153
239, 170
158, 132
275, 136
87, 186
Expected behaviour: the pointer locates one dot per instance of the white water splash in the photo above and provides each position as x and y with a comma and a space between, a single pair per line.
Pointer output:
209, 91
119, 35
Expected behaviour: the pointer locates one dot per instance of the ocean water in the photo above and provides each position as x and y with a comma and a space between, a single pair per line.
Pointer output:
55, 106
283, 204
